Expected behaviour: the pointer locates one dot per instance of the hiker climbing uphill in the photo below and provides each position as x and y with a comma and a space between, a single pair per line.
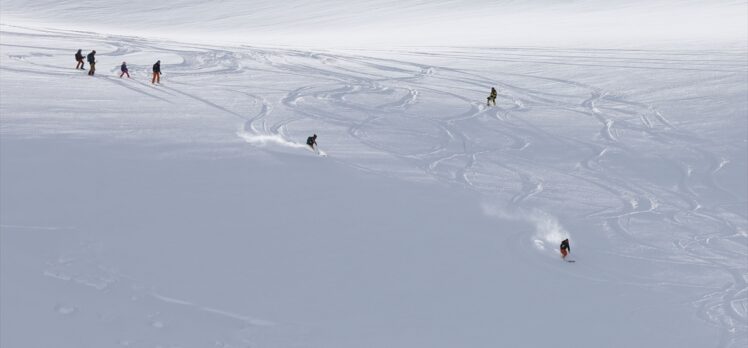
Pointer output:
91, 57
79, 59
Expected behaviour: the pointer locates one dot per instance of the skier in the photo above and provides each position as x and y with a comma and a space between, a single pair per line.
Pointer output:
79, 59
124, 70
156, 72
565, 248
492, 97
312, 141
91, 57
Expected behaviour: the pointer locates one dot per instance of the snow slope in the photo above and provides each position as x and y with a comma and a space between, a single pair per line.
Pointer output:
324, 23
190, 215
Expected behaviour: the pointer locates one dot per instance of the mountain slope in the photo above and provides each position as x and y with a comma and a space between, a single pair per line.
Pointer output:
189, 214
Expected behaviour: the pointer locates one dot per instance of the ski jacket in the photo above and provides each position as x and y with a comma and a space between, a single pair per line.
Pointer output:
78, 56
565, 245
123, 68
91, 58
311, 141
493, 92
157, 67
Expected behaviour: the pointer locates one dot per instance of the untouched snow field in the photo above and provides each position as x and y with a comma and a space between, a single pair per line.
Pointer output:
191, 214
353, 23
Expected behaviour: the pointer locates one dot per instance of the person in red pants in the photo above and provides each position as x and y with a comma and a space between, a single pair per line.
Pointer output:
565, 248
156, 72
79, 59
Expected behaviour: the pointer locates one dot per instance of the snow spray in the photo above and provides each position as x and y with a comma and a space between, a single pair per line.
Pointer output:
265, 139
276, 139
548, 232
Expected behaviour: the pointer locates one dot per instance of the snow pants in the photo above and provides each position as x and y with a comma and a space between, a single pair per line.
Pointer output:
156, 78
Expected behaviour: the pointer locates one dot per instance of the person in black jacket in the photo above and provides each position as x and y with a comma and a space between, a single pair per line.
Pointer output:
312, 141
565, 248
91, 57
491, 97
123, 69
79, 59
156, 72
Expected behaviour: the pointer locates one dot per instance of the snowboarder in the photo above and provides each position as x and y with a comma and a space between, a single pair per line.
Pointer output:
156, 72
312, 141
124, 70
492, 97
91, 57
565, 248
79, 59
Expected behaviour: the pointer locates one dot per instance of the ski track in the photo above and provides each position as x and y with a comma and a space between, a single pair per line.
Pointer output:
372, 106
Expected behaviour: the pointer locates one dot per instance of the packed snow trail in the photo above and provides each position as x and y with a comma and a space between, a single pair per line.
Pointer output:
642, 151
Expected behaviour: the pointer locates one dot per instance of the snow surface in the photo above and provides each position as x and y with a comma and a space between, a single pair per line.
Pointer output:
322, 23
191, 214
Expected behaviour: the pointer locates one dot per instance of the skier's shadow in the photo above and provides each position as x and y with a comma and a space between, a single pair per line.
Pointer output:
125, 85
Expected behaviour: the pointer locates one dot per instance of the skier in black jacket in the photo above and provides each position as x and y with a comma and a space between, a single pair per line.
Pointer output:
565, 248
156, 72
91, 57
491, 97
79, 59
312, 141
124, 70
